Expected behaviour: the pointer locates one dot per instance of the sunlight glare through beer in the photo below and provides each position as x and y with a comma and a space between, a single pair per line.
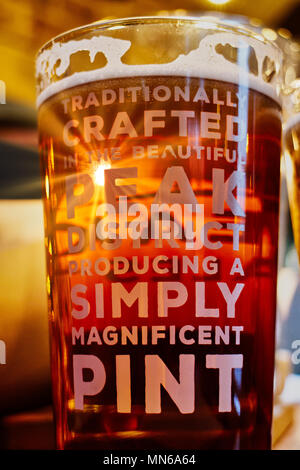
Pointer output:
99, 173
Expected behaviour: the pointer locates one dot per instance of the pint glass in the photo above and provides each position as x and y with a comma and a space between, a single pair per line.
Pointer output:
160, 143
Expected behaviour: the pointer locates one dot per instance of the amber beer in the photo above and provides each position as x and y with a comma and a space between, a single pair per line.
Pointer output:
161, 200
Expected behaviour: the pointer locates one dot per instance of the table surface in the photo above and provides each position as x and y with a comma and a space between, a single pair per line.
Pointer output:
290, 439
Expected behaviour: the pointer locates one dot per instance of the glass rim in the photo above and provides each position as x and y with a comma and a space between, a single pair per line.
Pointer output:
208, 23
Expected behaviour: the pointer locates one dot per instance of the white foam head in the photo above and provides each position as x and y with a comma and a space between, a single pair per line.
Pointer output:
206, 61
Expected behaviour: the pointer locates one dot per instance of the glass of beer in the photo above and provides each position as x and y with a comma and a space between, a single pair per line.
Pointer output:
160, 143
